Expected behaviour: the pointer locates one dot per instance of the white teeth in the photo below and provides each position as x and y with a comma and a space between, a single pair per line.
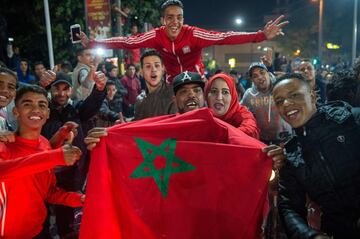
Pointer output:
191, 104
291, 112
35, 118
3, 97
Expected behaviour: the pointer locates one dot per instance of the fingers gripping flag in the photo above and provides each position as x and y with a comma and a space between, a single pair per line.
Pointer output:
183, 176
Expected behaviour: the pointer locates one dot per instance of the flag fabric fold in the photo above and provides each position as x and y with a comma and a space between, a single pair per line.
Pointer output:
179, 176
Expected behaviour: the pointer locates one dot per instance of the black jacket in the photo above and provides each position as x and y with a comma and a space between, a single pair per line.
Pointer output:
324, 163
79, 112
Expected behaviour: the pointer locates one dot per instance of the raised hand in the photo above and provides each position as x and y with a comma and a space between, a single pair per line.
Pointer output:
273, 28
47, 78
100, 80
71, 154
84, 39
67, 131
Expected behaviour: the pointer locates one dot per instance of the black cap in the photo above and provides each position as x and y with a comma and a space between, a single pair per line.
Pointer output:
256, 65
62, 78
187, 78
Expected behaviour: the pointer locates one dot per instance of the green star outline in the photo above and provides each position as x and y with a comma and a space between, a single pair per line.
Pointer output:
161, 176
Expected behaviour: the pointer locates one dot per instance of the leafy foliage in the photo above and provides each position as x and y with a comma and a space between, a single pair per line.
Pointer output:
26, 24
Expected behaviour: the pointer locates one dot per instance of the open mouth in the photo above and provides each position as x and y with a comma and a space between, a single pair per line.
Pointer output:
174, 29
292, 115
2, 97
192, 104
35, 118
218, 106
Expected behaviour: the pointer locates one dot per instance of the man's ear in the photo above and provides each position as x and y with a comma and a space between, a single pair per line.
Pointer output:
162, 21
15, 112
174, 99
48, 114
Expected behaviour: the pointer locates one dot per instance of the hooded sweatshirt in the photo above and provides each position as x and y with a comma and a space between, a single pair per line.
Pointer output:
273, 129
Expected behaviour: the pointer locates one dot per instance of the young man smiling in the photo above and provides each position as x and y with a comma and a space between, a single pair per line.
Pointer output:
181, 45
322, 162
22, 207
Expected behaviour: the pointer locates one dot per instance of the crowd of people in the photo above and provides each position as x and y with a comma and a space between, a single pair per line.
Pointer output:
309, 121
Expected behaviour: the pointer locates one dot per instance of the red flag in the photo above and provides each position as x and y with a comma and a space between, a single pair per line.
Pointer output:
184, 176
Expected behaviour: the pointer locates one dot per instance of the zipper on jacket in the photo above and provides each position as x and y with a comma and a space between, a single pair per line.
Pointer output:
328, 170
177, 57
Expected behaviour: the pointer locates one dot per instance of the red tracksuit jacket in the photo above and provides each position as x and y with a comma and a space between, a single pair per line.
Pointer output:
25, 184
183, 54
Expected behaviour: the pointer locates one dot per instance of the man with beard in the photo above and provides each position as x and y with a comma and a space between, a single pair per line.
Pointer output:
188, 91
259, 101
65, 115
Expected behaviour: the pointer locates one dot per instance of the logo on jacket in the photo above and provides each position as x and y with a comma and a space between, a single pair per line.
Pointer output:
164, 49
341, 138
186, 49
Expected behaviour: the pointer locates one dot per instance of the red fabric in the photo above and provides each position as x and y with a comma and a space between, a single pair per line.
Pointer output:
183, 54
223, 197
22, 197
133, 87
133, 56
237, 115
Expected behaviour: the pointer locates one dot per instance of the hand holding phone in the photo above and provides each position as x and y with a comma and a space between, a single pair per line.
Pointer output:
75, 32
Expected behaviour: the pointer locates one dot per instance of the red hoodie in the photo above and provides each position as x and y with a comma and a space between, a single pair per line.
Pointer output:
26, 187
183, 54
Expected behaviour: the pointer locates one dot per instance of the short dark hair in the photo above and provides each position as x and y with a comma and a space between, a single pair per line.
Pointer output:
291, 76
129, 65
110, 82
38, 63
80, 50
29, 88
66, 65
150, 52
9, 72
169, 3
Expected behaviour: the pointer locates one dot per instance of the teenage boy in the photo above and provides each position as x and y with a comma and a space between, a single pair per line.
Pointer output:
22, 197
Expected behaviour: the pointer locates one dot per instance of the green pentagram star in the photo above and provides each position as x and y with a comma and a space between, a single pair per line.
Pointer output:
161, 176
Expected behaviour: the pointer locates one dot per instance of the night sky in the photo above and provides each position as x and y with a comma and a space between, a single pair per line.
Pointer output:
217, 14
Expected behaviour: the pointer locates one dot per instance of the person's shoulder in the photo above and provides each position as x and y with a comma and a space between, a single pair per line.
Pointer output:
44, 142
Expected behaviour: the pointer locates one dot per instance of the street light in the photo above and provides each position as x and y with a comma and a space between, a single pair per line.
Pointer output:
238, 21
353, 55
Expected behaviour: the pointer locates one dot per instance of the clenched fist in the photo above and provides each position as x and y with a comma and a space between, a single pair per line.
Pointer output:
71, 154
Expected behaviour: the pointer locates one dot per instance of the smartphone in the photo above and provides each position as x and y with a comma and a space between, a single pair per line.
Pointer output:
74, 30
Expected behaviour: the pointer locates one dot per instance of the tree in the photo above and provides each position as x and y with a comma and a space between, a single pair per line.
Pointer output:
26, 24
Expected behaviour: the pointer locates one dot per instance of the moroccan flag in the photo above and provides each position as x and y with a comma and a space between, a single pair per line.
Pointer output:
189, 176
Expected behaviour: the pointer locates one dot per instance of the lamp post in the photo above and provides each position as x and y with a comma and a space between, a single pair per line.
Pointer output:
48, 34
320, 40
354, 42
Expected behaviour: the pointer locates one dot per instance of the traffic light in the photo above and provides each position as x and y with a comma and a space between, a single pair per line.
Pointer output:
315, 61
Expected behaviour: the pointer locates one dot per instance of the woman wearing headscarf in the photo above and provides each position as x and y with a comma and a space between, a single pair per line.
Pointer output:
223, 99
